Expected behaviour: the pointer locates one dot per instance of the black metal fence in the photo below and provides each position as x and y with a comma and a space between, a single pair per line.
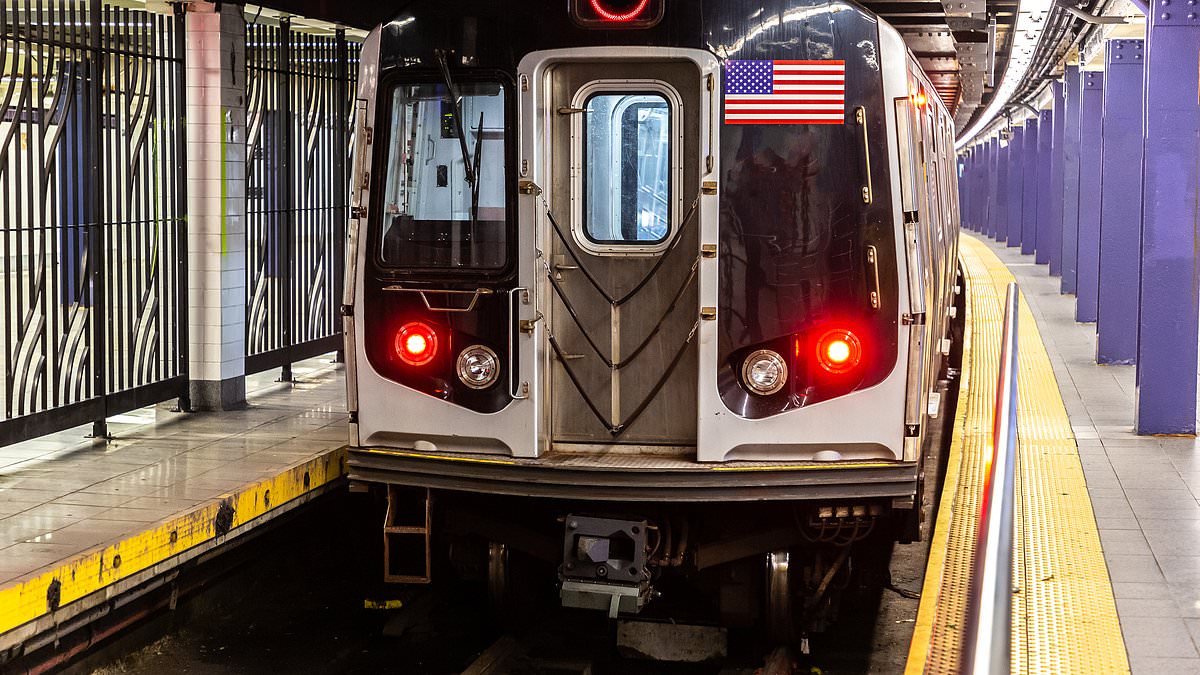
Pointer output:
299, 92
92, 241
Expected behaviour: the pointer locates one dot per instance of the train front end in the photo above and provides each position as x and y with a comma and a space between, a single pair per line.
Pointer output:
628, 285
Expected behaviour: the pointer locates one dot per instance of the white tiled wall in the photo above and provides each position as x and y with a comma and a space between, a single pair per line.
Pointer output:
217, 263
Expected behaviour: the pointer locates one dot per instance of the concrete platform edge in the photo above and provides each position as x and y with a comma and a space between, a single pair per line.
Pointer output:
51, 598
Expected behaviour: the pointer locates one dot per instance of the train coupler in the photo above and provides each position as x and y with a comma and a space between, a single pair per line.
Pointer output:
604, 565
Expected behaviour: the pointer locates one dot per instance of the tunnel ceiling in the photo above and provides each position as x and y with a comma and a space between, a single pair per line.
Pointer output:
951, 40
949, 37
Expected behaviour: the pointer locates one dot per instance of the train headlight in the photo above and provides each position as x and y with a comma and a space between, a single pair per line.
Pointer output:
838, 351
478, 367
764, 372
416, 343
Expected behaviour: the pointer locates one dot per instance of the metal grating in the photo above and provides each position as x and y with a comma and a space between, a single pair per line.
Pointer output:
1064, 614
299, 92
92, 233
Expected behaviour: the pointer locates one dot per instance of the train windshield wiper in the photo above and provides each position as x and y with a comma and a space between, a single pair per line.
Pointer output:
456, 99
475, 170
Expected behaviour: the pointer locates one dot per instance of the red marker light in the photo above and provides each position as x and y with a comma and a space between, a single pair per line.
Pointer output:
618, 15
416, 343
838, 351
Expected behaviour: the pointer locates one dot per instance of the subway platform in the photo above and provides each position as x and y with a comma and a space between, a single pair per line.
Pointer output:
1143, 489
86, 520
1107, 554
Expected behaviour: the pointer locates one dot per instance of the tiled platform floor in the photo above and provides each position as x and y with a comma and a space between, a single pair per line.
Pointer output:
1144, 489
65, 494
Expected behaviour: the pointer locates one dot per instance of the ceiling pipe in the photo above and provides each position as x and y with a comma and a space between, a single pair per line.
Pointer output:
1090, 18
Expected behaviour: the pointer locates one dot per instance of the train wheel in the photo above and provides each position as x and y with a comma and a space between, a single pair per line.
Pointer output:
779, 609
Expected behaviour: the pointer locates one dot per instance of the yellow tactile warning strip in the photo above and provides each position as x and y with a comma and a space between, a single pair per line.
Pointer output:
29, 599
1064, 614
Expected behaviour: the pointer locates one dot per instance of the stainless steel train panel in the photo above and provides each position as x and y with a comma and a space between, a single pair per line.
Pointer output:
629, 479
390, 414
614, 357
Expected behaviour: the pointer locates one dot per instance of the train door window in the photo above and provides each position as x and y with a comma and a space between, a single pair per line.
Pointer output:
627, 168
434, 217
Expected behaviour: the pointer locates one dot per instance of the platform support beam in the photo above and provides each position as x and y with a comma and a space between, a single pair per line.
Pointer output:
964, 187
981, 188
1015, 187
1091, 104
1120, 203
1054, 226
1070, 178
965, 177
1002, 220
984, 171
984, 177
1167, 325
993, 152
973, 183
216, 175
1029, 155
1045, 148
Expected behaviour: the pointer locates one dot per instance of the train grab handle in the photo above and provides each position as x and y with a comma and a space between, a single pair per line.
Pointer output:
518, 294
860, 116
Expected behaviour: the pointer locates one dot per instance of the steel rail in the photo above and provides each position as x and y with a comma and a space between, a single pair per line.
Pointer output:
988, 636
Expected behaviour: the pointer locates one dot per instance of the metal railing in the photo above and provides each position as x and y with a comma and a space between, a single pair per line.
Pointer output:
300, 89
988, 637
93, 235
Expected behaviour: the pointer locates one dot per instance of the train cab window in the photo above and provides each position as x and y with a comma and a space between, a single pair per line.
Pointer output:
627, 170
434, 217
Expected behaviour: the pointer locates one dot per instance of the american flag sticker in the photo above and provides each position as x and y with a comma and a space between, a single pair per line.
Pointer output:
785, 92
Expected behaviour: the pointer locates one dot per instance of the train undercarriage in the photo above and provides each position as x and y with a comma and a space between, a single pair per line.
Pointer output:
773, 569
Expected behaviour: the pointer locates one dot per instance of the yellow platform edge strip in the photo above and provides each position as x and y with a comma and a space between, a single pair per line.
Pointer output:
94, 570
1064, 613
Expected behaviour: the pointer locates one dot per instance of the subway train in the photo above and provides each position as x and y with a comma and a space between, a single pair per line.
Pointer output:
650, 296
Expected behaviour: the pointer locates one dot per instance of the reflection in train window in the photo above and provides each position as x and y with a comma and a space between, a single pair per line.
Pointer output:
433, 216
627, 168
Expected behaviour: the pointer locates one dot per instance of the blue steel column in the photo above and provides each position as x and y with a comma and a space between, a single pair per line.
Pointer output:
962, 171
1120, 203
1054, 228
982, 185
969, 181
994, 189
969, 186
1091, 105
1045, 144
1015, 148
1029, 156
1002, 193
1167, 326
1070, 192
966, 188
980, 182
989, 187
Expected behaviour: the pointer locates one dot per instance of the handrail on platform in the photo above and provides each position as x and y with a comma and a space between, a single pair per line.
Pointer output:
988, 636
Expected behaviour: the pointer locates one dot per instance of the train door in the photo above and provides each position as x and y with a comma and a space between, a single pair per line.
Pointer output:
913, 144
622, 252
